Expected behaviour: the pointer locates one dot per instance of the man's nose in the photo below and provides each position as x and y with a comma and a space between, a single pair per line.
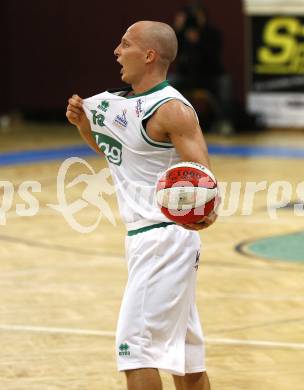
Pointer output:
117, 51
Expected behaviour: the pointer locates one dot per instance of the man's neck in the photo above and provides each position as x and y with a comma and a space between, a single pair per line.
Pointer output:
147, 84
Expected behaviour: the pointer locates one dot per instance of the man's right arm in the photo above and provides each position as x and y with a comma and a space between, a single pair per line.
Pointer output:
77, 117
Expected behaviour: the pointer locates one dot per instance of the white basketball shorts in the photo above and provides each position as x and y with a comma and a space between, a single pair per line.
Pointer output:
158, 324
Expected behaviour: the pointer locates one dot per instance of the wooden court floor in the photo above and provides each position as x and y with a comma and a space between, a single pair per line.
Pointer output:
60, 289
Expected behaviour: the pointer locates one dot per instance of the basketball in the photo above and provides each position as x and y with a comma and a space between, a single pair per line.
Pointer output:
187, 192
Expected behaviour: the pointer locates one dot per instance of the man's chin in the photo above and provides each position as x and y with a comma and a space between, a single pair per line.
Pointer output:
125, 79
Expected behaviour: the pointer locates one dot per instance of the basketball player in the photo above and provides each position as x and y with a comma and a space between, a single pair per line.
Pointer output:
143, 130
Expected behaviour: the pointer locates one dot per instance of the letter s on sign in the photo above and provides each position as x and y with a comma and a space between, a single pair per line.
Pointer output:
284, 40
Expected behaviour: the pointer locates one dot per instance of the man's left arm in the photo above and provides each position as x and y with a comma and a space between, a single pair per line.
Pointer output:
176, 122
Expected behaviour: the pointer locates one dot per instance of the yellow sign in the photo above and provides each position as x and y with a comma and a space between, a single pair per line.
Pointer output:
283, 47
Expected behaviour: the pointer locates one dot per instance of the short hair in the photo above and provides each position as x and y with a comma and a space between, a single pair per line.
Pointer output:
161, 37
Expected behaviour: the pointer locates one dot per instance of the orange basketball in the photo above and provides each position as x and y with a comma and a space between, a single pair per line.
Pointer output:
187, 192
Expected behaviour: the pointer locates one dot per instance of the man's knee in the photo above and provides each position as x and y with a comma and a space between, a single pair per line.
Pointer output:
194, 377
143, 378
197, 378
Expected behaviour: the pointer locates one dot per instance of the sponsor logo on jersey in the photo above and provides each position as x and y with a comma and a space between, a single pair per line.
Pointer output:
121, 120
138, 108
124, 350
110, 147
104, 105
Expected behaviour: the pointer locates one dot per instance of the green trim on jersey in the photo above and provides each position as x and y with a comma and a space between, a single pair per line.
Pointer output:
150, 227
156, 105
157, 87
150, 141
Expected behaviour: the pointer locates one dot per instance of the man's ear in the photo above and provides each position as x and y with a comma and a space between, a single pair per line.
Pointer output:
150, 56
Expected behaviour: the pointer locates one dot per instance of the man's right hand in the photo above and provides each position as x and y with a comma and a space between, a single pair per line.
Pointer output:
76, 114
77, 117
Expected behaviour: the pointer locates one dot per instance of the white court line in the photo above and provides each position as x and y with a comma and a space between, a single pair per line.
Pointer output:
102, 333
49, 330
46, 210
260, 297
253, 220
103, 258
255, 343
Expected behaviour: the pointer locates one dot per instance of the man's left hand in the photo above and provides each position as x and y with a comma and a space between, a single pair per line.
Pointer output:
204, 223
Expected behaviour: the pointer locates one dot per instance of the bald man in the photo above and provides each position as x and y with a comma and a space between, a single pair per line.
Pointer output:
143, 129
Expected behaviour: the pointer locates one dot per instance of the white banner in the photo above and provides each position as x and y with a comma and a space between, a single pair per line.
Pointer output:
270, 7
276, 61
278, 110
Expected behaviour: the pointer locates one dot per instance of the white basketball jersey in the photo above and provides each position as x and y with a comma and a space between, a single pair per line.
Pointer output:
135, 160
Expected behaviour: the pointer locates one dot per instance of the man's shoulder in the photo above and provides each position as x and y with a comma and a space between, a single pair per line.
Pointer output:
175, 115
169, 92
174, 106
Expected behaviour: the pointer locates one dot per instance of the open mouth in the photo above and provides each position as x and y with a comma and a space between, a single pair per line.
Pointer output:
121, 69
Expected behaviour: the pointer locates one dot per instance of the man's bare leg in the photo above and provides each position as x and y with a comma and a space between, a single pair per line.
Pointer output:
195, 381
144, 379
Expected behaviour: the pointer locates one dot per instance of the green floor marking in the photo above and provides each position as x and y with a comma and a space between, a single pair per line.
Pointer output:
286, 247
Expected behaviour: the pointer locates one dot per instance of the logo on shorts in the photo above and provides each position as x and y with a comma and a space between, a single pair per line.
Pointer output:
124, 350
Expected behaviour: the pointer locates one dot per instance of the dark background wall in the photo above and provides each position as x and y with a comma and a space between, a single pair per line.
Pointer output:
53, 48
